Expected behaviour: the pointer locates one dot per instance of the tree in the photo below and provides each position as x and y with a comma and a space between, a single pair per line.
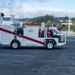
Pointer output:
48, 23
66, 19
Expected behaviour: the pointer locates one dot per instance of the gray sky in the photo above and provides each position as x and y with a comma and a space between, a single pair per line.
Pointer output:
34, 8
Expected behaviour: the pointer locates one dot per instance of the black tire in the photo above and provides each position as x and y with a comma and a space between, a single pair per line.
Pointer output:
15, 44
50, 45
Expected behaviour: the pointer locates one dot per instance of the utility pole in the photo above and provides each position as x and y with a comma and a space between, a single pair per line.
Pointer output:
69, 25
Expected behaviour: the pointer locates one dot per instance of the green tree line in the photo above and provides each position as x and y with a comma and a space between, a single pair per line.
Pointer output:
48, 19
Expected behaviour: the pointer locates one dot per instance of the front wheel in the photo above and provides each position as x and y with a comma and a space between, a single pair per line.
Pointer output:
50, 45
15, 44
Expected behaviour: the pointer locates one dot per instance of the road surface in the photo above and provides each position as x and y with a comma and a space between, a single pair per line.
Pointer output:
38, 61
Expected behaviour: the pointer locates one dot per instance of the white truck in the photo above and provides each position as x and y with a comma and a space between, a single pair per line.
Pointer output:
28, 35
32, 35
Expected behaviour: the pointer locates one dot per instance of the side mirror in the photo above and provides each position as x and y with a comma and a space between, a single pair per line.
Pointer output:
63, 25
2, 14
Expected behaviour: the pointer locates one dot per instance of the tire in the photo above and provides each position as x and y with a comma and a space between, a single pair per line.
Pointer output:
50, 45
15, 44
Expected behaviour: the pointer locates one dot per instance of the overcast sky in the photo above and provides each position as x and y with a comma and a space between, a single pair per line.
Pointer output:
34, 8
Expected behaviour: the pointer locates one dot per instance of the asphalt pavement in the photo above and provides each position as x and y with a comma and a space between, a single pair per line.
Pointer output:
38, 61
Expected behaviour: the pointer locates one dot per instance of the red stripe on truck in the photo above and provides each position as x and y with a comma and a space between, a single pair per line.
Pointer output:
25, 37
28, 38
10, 32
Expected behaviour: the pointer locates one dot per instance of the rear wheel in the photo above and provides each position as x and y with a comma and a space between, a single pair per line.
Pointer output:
50, 45
15, 44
